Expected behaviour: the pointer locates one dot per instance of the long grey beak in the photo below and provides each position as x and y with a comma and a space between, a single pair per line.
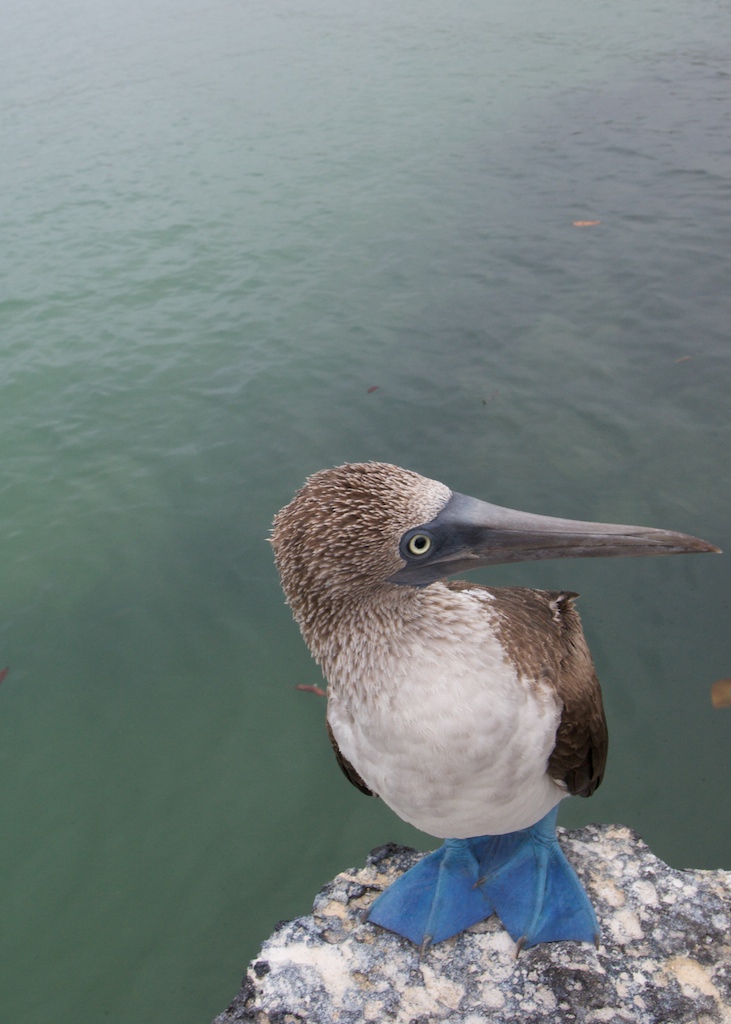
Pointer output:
469, 533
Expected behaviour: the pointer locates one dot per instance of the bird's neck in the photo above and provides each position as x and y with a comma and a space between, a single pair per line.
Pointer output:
357, 625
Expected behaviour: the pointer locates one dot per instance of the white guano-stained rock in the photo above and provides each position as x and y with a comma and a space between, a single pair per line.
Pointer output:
664, 958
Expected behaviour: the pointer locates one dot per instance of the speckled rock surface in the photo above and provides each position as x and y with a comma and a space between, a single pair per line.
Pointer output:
665, 956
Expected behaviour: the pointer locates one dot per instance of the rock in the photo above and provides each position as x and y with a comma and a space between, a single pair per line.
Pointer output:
665, 956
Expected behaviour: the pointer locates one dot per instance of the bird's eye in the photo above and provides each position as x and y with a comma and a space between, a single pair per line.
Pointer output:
419, 544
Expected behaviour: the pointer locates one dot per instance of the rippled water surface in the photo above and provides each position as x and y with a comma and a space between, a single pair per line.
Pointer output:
243, 241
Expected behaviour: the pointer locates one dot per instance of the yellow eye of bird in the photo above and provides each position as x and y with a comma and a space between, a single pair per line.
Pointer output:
419, 544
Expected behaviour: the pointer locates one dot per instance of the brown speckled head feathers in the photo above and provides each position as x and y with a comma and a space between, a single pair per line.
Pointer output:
340, 533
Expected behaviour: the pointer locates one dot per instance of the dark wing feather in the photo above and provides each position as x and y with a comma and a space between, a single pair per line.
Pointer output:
542, 635
346, 767
580, 754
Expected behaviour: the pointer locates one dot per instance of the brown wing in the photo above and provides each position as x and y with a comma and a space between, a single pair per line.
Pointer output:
541, 632
580, 754
346, 767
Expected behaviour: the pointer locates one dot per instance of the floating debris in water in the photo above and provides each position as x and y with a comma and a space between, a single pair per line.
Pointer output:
305, 688
585, 223
683, 359
721, 693
372, 388
3, 673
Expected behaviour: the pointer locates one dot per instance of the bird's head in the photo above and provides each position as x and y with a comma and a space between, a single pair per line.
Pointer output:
342, 530
373, 524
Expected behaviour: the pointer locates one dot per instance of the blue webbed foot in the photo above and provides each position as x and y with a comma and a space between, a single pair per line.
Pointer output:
536, 893
523, 876
437, 898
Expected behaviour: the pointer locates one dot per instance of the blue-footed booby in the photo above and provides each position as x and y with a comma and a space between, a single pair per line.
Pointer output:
471, 711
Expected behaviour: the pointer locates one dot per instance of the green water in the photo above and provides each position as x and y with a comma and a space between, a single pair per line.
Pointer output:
224, 224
